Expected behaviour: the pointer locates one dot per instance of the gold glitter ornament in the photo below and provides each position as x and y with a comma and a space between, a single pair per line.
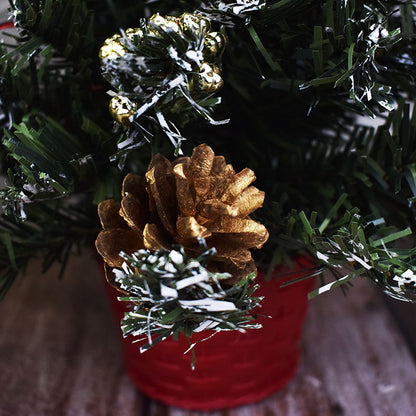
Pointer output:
166, 23
192, 24
122, 109
214, 45
112, 48
207, 79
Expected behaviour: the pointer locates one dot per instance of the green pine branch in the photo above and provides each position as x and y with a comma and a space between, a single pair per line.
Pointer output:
363, 247
173, 294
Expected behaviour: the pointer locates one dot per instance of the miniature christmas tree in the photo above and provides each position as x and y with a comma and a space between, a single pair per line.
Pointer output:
286, 88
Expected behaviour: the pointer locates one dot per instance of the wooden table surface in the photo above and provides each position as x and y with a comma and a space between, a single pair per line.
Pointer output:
60, 354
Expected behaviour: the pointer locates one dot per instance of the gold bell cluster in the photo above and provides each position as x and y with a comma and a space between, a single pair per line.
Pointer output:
204, 78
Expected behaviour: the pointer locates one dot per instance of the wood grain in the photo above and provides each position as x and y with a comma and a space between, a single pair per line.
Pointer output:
60, 355
59, 348
405, 317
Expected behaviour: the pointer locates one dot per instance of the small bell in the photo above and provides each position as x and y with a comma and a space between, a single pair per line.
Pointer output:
122, 110
165, 23
192, 24
214, 45
112, 48
207, 79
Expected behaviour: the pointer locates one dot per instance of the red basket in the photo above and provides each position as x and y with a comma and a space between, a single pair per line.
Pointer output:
232, 368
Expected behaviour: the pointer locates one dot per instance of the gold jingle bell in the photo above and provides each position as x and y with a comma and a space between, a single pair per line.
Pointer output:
166, 23
192, 24
207, 79
122, 109
112, 48
214, 45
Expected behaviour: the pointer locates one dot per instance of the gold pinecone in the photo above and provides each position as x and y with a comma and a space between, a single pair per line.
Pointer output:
177, 202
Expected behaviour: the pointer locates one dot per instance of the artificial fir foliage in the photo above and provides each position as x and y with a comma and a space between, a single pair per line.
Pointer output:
301, 79
171, 293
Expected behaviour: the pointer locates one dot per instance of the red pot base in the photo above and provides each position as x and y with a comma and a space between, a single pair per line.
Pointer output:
232, 368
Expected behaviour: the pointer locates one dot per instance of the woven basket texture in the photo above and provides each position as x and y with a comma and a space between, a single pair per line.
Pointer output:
232, 368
